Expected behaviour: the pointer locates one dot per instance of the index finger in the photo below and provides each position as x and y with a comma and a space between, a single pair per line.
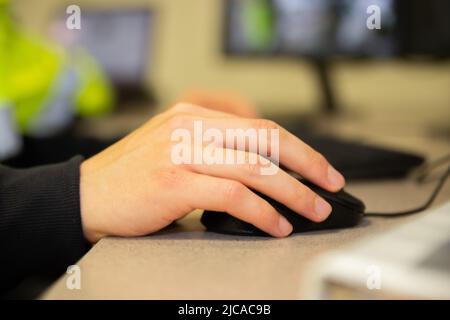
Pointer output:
293, 153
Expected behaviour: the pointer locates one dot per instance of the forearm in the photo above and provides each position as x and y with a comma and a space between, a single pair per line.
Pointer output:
40, 223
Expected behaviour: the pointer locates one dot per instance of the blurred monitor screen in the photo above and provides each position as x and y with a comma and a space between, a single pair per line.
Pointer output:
334, 27
119, 40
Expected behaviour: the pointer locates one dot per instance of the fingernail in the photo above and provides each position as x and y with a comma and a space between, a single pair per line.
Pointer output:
335, 178
284, 226
322, 208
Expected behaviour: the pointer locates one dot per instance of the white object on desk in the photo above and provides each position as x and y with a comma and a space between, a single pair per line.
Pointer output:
410, 261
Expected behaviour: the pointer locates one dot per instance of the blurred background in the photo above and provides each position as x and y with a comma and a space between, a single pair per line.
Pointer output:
186, 50
313, 66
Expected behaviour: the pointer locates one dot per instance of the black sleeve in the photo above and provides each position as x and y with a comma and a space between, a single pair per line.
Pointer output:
40, 221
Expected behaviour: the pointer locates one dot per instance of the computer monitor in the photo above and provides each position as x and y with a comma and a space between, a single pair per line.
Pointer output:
308, 28
325, 30
120, 40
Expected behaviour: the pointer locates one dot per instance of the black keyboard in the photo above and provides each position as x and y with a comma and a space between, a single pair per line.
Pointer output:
360, 161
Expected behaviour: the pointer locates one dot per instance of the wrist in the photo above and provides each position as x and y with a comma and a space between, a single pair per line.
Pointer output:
89, 212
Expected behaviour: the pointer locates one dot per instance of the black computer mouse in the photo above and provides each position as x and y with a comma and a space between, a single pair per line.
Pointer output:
347, 212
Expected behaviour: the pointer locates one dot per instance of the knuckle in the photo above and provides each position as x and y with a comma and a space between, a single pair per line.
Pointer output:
269, 216
307, 197
253, 169
233, 191
184, 107
265, 124
181, 107
318, 162
179, 120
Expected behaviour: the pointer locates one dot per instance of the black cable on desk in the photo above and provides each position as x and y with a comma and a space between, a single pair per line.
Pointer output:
435, 192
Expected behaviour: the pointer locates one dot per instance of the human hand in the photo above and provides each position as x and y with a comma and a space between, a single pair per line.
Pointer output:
134, 187
221, 101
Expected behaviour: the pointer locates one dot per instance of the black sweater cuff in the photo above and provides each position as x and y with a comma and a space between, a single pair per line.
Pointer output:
40, 221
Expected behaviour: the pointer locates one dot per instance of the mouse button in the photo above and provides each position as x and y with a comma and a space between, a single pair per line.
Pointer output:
350, 201
344, 217
341, 196
356, 203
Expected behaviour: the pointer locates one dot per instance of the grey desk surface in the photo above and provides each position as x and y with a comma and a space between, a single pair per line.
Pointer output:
185, 262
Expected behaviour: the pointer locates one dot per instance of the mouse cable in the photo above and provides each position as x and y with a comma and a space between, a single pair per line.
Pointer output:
423, 172
435, 192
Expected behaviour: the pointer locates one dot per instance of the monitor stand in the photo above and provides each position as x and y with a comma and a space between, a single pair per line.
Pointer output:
326, 110
322, 69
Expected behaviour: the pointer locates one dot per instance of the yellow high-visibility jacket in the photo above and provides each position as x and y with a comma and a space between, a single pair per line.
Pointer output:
42, 86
